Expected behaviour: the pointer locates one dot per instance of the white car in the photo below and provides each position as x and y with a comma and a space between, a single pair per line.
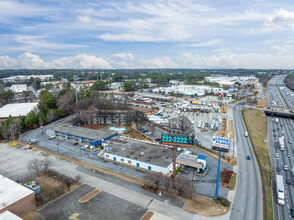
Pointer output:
51, 137
246, 134
286, 167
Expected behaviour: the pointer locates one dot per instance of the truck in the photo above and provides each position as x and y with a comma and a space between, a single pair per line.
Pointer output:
202, 126
206, 126
280, 190
199, 124
277, 120
282, 143
212, 124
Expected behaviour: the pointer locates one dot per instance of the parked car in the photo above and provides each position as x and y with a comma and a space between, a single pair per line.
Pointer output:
183, 170
33, 141
51, 137
76, 143
151, 125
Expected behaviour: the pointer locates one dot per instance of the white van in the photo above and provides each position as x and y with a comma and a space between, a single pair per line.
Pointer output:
33, 141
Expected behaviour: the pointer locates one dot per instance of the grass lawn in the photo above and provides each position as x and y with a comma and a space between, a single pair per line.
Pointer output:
257, 127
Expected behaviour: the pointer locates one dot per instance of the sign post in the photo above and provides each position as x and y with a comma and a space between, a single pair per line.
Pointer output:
220, 144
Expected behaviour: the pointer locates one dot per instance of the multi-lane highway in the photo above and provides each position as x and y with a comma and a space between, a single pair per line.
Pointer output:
281, 128
247, 202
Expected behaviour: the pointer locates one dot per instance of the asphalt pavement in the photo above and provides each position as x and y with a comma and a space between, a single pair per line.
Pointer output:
248, 201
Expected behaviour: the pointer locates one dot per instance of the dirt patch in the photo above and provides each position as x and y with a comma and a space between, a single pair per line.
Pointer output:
32, 215
262, 102
147, 215
223, 131
205, 206
95, 126
224, 109
144, 110
137, 135
89, 196
232, 133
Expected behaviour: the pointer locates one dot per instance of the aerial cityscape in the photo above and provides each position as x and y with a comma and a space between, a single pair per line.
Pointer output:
146, 110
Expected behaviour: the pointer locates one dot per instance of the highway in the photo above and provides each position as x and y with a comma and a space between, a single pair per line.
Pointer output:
247, 202
284, 127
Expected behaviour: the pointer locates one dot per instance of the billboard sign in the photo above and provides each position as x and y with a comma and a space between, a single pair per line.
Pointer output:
177, 139
221, 144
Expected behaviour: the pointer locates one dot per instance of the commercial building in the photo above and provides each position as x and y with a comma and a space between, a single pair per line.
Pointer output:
15, 198
110, 116
198, 162
140, 154
19, 88
79, 134
18, 109
7, 215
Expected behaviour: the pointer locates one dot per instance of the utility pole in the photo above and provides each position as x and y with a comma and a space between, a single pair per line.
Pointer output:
76, 88
174, 164
57, 146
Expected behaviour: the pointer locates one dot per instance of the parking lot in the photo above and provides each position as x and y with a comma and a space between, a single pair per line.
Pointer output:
101, 206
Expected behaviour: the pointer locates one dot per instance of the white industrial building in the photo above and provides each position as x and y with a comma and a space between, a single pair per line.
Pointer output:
19, 88
140, 154
199, 90
16, 110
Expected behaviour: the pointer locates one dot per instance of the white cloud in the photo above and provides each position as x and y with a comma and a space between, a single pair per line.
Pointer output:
84, 19
82, 61
280, 18
162, 62
229, 60
279, 50
123, 56
31, 61
203, 44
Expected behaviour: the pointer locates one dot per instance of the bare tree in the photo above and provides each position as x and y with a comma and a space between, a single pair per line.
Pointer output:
184, 125
38, 167
139, 119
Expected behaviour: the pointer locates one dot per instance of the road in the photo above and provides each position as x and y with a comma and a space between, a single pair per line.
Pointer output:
283, 128
248, 201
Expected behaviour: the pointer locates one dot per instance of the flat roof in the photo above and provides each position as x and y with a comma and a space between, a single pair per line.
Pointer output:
157, 96
17, 109
82, 132
11, 192
7, 215
188, 159
157, 154
18, 88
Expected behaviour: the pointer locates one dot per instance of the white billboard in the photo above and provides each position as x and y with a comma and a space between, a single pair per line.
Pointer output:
221, 143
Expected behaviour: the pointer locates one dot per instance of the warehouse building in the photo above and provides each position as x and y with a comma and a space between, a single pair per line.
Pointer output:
140, 154
15, 198
79, 134
16, 110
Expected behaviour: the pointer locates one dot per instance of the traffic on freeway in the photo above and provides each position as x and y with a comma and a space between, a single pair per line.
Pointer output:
281, 133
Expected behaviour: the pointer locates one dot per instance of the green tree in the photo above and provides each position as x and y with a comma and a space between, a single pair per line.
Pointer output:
49, 86
99, 85
31, 119
129, 86
36, 83
47, 101
117, 77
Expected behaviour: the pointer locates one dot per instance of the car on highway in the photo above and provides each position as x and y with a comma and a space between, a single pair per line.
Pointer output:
292, 212
288, 154
288, 181
76, 143
246, 134
290, 142
277, 155
286, 167
275, 145
51, 137
274, 130
275, 135
278, 169
248, 157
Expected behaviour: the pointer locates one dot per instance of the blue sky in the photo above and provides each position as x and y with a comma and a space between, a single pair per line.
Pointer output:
146, 34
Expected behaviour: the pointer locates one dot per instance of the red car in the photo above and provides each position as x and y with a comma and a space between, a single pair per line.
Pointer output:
76, 143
